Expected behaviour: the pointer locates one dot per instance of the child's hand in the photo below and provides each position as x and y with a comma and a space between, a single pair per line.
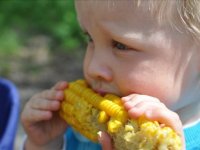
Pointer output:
138, 105
41, 120
153, 109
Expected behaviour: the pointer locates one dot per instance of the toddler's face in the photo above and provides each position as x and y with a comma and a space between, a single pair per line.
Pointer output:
128, 52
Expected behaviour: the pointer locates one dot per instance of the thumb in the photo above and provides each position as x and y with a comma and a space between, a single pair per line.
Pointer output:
105, 141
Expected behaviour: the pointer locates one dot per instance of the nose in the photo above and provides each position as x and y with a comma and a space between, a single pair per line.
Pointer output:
98, 67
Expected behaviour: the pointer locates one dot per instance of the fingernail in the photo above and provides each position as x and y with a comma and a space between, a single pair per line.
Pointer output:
99, 136
64, 83
125, 99
59, 94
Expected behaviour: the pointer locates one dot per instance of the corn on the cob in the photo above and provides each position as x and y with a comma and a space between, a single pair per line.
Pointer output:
88, 113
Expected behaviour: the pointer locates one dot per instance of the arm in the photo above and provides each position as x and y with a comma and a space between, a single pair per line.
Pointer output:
41, 120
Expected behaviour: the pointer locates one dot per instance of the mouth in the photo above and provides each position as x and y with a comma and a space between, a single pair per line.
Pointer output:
101, 89
100, 92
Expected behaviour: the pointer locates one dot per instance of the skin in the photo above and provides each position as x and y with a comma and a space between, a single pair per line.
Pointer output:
41, 122
152, 66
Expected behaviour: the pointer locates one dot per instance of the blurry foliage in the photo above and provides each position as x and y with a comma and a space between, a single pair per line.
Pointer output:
9, 43
20, 19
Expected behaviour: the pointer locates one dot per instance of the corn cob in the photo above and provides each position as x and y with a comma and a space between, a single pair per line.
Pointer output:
88, 112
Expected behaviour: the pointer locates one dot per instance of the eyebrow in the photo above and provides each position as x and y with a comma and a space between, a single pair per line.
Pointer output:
130, 39
122, 36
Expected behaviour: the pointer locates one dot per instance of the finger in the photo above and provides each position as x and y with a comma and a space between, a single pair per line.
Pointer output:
168, 118
61, 85
161, 114
128, 98
44, 104
142, 107
105, 141
33, 116
50, 95
156, 111
134, 100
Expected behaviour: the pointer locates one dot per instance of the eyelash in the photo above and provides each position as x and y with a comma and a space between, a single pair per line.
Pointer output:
119, 45
115, 44
88, 37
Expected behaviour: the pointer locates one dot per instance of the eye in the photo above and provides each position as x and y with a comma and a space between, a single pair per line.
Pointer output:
120, 46
88, 37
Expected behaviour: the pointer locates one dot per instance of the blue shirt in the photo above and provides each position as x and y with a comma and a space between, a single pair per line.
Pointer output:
75, 141
192, 137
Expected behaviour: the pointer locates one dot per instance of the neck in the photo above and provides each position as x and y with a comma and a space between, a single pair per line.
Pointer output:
190, 113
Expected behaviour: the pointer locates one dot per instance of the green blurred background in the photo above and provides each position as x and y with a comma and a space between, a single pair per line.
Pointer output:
40, 44
20, 19
23, 21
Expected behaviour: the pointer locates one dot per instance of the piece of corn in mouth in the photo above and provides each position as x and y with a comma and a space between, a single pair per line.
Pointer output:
88, 112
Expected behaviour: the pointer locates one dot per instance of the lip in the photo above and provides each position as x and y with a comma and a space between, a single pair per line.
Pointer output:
100, 92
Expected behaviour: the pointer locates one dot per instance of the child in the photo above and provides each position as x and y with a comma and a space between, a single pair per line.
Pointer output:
147, 52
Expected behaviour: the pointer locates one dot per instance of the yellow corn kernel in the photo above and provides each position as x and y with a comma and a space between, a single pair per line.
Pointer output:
114, 125
112, 109
88, 112
103, 117
114, 98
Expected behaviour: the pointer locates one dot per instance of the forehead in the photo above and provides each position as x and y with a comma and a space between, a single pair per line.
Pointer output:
108, 7
103, 5
123, 12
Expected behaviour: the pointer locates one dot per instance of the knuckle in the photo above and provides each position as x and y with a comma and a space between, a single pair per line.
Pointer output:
47, 94
163, 105
47, 104
157, 100
44, 93
153, 99
35, 96
176, 116
57, 85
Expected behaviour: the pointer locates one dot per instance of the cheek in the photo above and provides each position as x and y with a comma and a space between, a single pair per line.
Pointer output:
87, 57
161, 88
85, 63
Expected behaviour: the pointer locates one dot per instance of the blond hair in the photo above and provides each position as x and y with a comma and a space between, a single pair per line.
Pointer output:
187, 11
